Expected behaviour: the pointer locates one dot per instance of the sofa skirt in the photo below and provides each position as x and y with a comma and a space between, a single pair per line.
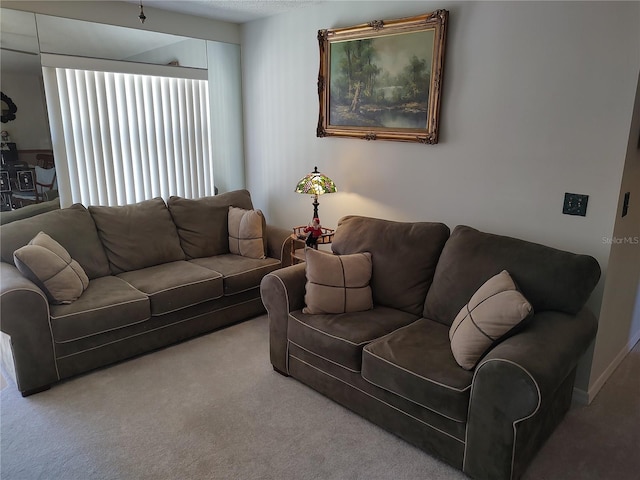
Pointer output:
164, 333
420, 427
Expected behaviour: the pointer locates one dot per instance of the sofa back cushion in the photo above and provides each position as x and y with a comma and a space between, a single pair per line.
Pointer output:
404, 257
202, 223
550, 279
72, 227
137, 236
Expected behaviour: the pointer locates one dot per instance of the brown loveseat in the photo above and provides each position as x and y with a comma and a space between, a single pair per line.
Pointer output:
393, 364
159, 273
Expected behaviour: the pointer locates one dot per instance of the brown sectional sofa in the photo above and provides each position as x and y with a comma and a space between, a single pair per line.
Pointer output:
394, 365
159, 273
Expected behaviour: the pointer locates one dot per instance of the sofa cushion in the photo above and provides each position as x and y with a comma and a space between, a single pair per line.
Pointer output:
337, 283
416, 363
493, 311
202, 223
404, 257
550, 279
137, 236
72, 227
246, 232
46, 263
175, 285
239, 273
202, 228
108, 303
340, 338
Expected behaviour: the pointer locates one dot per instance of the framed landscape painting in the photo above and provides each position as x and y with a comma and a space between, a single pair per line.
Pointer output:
383, 80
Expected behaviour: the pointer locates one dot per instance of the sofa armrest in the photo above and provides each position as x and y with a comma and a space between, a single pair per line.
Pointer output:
523, 386
279, 244
282, 292
24, 321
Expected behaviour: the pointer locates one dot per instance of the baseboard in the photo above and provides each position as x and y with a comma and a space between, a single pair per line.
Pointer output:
580, 396
586, 397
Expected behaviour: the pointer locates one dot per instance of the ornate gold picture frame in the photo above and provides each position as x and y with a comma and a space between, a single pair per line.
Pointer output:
382, 80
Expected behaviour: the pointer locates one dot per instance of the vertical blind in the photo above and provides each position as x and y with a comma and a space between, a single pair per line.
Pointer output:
128, 137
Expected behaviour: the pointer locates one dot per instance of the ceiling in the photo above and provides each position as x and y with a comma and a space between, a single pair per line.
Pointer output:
234, 11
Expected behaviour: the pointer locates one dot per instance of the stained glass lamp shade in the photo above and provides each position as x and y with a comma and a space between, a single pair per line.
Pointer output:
316, 183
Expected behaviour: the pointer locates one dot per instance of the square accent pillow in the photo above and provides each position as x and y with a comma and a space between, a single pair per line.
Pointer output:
337, 283
493, 311
48, 264
246, 231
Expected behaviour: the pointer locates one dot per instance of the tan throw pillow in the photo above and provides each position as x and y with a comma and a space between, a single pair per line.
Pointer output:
337, 283
495, 309
47, 264
246, 230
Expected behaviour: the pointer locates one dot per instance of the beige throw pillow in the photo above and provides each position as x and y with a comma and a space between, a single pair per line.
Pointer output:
246, 231
337, 283
494, 310
48, 264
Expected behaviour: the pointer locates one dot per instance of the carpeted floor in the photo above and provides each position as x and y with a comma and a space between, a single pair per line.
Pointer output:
213, 408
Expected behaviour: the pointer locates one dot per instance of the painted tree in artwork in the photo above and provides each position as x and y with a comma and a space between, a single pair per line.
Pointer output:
359, 71
415, 80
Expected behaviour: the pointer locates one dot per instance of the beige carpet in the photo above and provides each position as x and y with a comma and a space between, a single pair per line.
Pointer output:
600, 441
212, 408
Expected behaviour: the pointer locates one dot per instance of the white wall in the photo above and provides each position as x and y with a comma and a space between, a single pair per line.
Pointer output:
30, 129
621, 301
537, 101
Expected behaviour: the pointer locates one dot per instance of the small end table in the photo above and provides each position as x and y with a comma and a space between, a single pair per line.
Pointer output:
299, 235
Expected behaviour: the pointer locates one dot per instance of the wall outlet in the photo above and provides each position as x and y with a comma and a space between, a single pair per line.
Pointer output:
575, 204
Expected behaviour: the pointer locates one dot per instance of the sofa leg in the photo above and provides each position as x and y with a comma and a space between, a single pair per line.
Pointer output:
27, 393
281, 372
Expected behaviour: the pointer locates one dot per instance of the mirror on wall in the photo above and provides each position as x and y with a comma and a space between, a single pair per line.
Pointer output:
19, 53
19, 41
9, 109
87, 39
23, 115
25, 35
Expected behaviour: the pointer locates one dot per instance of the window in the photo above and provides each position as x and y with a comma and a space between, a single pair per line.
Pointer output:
128, 137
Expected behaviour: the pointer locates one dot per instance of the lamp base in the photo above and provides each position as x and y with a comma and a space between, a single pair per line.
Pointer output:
316, 204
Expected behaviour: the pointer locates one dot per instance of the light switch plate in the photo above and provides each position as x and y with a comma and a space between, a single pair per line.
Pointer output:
575, 204
625, 204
